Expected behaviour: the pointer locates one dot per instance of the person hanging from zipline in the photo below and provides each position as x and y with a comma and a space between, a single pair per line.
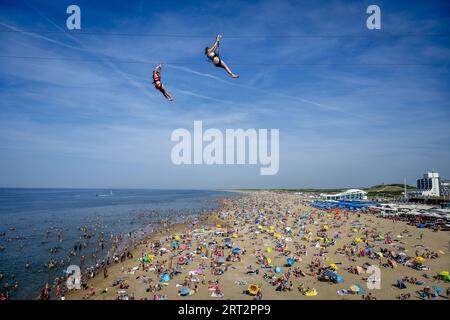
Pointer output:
213, 55
158, 84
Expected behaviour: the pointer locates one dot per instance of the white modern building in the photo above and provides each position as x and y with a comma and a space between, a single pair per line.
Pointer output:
351, 194
429, 185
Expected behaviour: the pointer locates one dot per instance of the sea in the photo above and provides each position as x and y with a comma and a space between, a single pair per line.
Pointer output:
39, 224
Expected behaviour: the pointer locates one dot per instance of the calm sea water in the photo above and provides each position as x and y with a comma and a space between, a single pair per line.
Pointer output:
31, 219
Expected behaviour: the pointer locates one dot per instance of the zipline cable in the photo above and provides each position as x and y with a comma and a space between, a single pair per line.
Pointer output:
198, 62
231, 36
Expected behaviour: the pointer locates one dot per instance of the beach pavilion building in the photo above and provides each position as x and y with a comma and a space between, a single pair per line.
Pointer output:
351, 194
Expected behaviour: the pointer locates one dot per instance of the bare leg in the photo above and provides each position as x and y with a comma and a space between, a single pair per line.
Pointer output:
165, 93
224, 65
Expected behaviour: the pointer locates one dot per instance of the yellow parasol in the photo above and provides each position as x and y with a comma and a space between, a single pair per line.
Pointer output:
311, 293
269, 249
177, 237
253, 289
420, 259
335, 267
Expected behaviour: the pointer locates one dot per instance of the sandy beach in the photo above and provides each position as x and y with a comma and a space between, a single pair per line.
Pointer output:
267, 245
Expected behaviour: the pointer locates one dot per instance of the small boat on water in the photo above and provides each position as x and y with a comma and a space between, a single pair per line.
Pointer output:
105, 195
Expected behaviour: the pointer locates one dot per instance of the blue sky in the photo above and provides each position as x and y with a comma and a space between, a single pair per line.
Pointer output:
355, 110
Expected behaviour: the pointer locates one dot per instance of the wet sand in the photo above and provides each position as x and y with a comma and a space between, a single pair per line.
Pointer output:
305, 224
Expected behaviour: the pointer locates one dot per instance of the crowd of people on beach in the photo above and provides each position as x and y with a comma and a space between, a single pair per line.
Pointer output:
262, 243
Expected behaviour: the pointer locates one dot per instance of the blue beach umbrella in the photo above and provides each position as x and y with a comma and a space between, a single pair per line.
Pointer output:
277, 269
184, 292
165, 278
290, 261
236, 250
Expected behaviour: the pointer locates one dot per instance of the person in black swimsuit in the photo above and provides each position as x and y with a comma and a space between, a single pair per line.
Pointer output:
213, 55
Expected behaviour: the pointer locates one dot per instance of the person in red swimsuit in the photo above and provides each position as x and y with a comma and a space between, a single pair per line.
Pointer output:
157, 82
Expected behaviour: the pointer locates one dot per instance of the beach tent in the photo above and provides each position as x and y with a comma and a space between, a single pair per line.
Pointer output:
359, 270
401, 284
290, 261
333, 276
444, 275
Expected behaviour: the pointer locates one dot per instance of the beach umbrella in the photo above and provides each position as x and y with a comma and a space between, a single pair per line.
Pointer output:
272, 228
325, 227
218, 226
269, 249
236, 250
234, 235
420, 259
354, 288
181, 260
269, 261
177, 237
333, 266
278, 236
361, 291
437, 289
253, 289
260, 227
277, 269
290, 261
220, 260
165, 278
184, 292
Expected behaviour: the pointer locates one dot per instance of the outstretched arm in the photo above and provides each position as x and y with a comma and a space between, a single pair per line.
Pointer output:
216, 44
158, 68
